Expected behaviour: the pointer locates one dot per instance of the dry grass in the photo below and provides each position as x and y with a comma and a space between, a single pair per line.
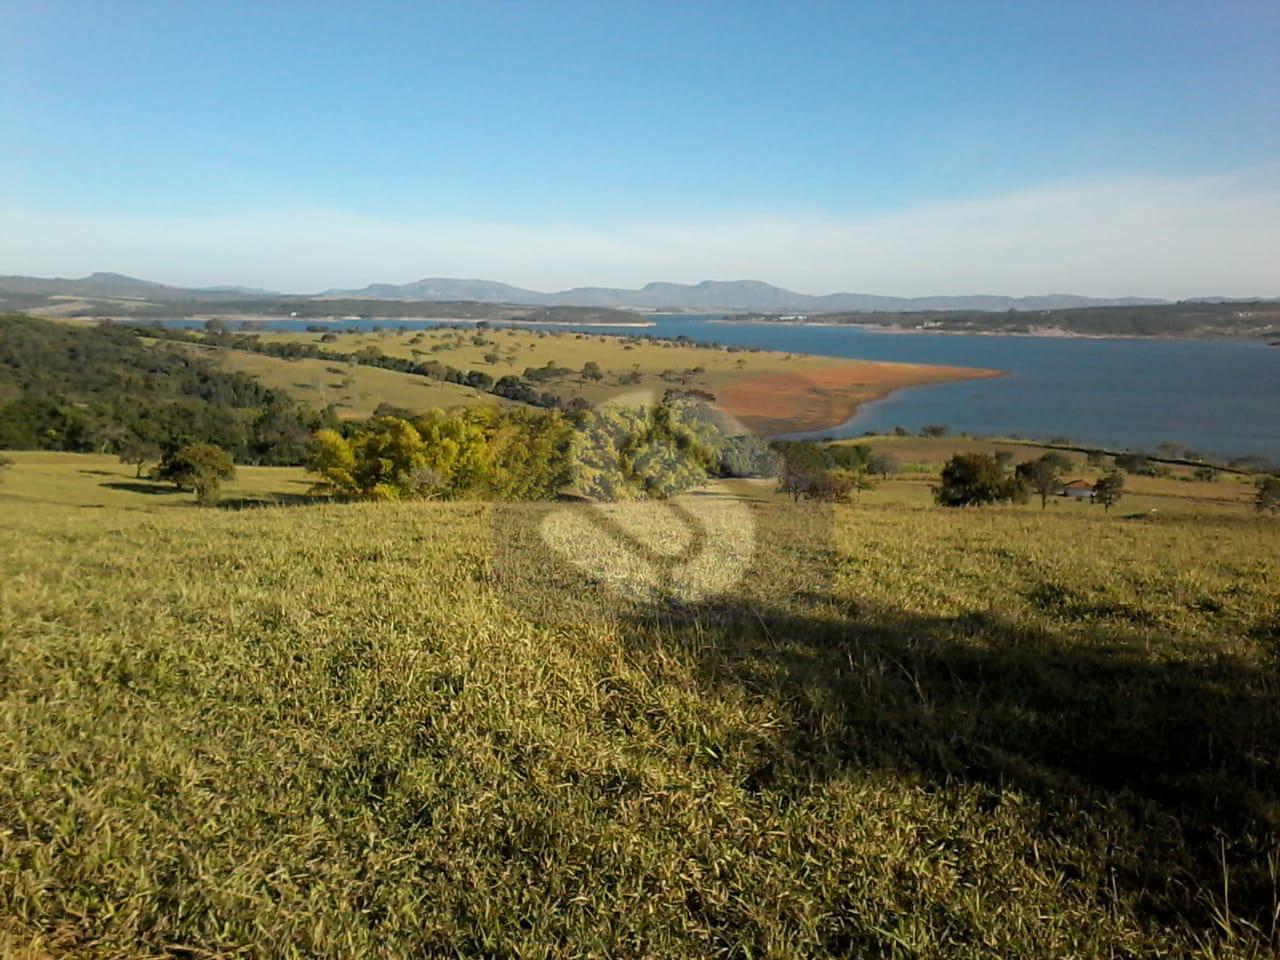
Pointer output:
409, 730
355, 390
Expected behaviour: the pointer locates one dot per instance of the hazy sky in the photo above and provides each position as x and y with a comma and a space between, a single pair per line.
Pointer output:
894, 148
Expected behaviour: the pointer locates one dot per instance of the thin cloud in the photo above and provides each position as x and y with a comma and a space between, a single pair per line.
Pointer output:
1139, 236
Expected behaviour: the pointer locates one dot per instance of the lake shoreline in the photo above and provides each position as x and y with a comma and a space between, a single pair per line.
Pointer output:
1043, 333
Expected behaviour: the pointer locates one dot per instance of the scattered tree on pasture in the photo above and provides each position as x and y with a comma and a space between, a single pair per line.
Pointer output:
1267, 499
201, 467
972, 479
882, 464
1042, 476
1108, 490
133, 449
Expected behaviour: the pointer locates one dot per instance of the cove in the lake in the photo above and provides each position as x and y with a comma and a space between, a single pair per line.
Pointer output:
1219, 397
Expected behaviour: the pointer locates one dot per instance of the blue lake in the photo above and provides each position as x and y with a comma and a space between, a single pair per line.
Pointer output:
1216, 396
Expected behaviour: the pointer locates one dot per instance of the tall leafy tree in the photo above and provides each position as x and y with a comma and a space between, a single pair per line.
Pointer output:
972, 479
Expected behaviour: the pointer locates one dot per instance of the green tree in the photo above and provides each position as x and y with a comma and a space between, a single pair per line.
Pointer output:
1042, 475
456, 453
201, 467
1267, 499
1206, 473
636, 453
1108, 490
882, 464
749, 456
330, 457
803, 465
389, 459
528, 454
972, 479
133, 449
851, 456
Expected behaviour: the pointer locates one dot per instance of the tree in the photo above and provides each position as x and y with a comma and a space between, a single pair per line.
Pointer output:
934, 430
882, 464
636, 453
1042, 476
1268, 496
5, 463
330, 457
971, 479
749, 456
803, 464
1095, 458
388, 458
137, 451
854, 456
1206, 473
1108, 490
201, 467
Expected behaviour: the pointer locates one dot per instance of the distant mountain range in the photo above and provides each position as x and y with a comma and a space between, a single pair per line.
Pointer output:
709, 295
117, 285
713, 295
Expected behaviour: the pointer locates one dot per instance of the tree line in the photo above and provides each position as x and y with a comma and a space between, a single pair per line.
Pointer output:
102, 389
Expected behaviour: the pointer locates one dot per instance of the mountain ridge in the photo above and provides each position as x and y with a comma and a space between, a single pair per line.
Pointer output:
705, 296
715, 295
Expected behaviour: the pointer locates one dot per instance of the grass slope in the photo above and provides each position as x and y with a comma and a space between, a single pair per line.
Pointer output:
404, 730
355, 390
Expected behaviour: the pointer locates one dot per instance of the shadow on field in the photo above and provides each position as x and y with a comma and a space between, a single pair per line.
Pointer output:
1151, 772
141, 486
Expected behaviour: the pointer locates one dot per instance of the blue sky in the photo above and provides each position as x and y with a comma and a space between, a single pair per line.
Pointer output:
622, 139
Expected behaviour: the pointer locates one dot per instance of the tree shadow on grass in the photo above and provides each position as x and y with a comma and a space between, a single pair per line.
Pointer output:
1152, 760
1178, 760
141, 486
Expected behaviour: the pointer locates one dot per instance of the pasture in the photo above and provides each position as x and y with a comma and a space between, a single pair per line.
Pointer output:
374, 730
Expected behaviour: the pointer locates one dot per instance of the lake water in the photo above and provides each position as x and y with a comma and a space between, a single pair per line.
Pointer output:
1215, 396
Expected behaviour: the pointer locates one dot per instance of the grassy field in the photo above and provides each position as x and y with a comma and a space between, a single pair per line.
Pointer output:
385, 731
355, 390
921, 459
768, 392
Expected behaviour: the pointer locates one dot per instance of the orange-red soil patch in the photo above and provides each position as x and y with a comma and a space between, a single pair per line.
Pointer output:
822, 397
